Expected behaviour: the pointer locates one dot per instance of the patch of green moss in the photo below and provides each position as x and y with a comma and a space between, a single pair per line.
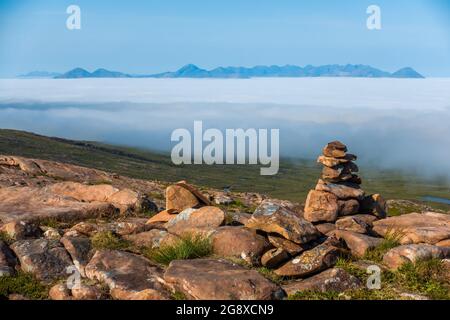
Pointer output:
269, 274
390, 241
109, 240
24, 284
425, 277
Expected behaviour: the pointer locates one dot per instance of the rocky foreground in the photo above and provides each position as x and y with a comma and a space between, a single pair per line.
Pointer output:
68, 232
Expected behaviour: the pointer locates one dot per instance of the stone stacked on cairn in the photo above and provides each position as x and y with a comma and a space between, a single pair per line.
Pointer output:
338, 192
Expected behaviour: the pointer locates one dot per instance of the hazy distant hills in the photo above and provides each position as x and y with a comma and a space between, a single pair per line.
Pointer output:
192, 71
40, 74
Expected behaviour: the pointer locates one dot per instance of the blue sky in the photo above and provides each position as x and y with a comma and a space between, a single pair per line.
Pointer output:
159, 35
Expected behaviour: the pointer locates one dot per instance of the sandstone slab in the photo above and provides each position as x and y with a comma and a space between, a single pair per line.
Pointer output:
36, 204
344, 190
46, 259
428, 227
272, 218
239, 242
128, 276
309, 262
208, 279
335, 280
203, 220
398, 256
357, 243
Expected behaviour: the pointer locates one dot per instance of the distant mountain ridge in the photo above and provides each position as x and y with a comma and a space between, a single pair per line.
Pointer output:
193, 71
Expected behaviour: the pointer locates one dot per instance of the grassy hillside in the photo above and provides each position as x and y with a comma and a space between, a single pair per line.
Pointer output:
293, 181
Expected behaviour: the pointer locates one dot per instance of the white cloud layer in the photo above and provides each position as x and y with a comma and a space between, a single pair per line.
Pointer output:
391, 122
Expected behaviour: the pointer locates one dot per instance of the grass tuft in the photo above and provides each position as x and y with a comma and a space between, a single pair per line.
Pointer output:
177, 295
391, 240
187, 247
24, 284
425, 277
108, 240
269, 274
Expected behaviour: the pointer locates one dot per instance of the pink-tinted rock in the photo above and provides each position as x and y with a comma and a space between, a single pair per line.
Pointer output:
321, 207
273, 218
208, 279
412, 253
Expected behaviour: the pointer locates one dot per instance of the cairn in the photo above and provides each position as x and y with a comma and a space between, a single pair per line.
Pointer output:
338, 191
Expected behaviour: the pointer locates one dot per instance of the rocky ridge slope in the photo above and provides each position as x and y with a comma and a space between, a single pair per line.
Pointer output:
58, 221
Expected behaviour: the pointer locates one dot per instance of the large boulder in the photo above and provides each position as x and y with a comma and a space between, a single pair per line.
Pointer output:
428, 227
335, 280
208, 279
128, 276
357, 243
179, 198
203, 221
309, 262
46, 259
321, 207
273, 218
8, 261
239, 242
412, 253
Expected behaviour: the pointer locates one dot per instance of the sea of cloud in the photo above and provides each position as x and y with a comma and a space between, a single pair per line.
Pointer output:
394, 123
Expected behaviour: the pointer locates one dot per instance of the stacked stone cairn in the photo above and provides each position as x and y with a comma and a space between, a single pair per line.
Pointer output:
338, 192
